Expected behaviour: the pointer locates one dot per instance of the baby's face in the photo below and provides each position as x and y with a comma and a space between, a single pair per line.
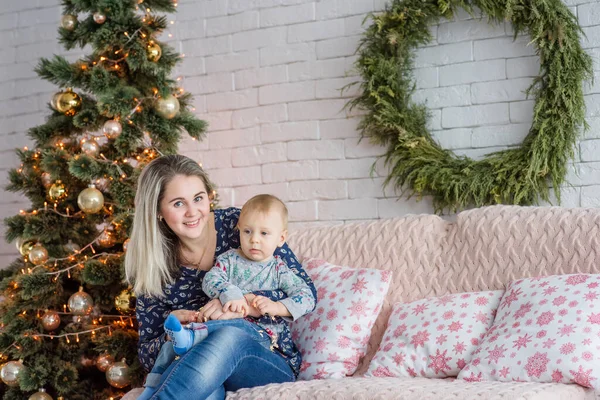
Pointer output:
260, 234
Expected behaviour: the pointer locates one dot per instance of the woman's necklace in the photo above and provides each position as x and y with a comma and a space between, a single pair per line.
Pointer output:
196, 265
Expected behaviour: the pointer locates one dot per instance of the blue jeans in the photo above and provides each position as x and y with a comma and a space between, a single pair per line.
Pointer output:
233, 356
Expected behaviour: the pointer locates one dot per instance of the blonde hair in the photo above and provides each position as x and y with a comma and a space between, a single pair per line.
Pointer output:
151, 260
264, 203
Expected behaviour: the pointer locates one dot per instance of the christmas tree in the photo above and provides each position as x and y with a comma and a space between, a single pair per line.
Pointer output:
67, 320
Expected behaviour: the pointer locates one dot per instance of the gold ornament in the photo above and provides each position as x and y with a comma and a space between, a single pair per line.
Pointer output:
106, 239
167, 107
57, 191
26, 247
153, 51
40, 395
90, 200
99, 17
72, 247
46, 180
125, 245
50, 320
69, 103
81, 303
112, 129
125, 302
69, 22
10, 373
54, 100
19, 243
104, 361
118, 374
38, 254
90, 147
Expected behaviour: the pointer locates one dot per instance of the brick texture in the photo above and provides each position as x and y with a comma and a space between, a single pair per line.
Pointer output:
267, 74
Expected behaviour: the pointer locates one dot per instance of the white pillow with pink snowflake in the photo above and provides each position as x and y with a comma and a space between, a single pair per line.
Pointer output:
334, 337
547, 329
434, 337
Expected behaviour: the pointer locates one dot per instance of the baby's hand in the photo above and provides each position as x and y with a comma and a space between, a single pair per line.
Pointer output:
237, 306
266, 306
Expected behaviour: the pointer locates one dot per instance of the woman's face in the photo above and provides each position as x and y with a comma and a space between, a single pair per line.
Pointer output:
185, 207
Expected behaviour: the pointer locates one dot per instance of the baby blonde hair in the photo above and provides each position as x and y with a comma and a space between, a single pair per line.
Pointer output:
264, 203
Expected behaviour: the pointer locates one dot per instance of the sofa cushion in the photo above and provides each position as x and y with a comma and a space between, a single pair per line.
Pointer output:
411, 389
547, 329
435, 337
334, 337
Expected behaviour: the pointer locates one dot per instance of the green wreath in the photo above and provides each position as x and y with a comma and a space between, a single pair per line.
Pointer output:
418, 164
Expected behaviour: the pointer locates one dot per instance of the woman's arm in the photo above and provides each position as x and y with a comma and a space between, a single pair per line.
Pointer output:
289, 258
150, 314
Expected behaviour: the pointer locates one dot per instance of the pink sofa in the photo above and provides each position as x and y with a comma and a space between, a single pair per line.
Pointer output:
483, 249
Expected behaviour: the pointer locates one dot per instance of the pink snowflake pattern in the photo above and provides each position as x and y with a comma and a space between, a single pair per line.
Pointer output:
481, 317
591, 296
359, 285
522, 341
399, 358
448, 315
344, 342
358, 309
459, 347
557, 376
594, 318
439, 362
399, 331
593, 285
315, 324
559, 301
549, 343
320, 345
504, 372
332, 314
473, 377
382, 372
444, 300
419, 338
524, 309
441, 339
496, 354
587, 356
567, 348
577, 279
420, 309
545, 318
321, 373
537, 364
566, 330
582, 377
512, 296
550, 290
455, 326
482, 301
461, 363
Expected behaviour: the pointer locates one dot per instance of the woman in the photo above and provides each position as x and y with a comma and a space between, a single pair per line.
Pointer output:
175, 239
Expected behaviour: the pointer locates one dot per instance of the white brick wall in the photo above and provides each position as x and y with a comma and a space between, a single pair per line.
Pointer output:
267, 75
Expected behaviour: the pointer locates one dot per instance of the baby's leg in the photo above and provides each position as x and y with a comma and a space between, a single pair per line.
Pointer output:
184, 337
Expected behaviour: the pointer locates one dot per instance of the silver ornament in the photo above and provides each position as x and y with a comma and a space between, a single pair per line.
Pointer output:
81, 303
99, 17
112, 129
69, 22
90, 147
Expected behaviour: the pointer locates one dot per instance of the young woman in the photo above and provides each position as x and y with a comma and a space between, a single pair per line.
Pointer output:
174, 241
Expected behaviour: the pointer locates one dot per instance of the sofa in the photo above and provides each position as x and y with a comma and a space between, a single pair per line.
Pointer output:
429, 256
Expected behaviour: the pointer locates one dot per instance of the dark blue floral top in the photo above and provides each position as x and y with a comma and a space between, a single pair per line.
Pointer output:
186, 293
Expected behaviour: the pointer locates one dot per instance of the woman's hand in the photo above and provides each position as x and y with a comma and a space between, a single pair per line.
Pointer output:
185, 316
252, 310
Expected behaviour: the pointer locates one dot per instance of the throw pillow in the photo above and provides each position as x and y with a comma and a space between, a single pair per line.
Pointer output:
547, 330
335, 335
434, 337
